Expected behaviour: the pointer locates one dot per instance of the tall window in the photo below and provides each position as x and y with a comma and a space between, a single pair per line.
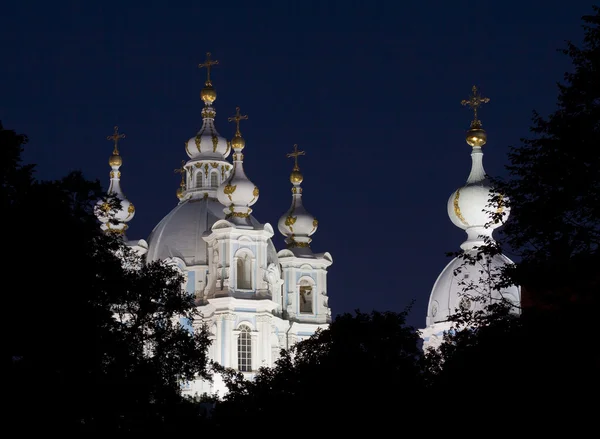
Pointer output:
244, 272
306, 297
245, 350
199, 179
214, 180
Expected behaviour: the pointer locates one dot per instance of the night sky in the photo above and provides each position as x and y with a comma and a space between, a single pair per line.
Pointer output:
371, 91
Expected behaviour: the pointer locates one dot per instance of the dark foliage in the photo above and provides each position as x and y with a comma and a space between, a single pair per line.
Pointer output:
93, 340
358, 374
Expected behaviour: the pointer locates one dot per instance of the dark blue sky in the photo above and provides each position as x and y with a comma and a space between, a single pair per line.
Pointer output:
371, 90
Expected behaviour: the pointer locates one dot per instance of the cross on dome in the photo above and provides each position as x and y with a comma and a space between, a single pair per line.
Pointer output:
115, 138
181, 187
237, 119
475, 101
208, 64
295, 155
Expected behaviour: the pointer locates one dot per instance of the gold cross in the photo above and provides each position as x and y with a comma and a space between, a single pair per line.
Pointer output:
181, 170
474, 102
237, 119
208, 64
115, 138
295, 154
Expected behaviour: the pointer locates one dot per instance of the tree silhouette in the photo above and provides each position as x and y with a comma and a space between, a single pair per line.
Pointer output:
95, 338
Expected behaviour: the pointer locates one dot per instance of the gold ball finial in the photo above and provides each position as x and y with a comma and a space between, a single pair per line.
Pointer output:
208, 94
238, 142
180, 192
296, 177
476, 137
115, 160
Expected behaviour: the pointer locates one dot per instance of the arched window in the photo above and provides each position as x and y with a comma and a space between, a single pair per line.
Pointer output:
214, 180
306, 297
199, 179
244, 272
245, 349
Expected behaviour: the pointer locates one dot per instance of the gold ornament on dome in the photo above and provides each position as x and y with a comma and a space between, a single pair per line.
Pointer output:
457, 211
294, 243
228, 147
206, 170
208, 113
187, 149
215, 142
228, 190
214, 164
315, 224
198, 140
290, 221
254, 194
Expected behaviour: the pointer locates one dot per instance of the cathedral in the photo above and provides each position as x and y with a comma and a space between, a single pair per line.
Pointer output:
256, 300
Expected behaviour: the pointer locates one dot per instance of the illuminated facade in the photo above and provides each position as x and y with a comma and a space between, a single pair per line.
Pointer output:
254, 300
461, 285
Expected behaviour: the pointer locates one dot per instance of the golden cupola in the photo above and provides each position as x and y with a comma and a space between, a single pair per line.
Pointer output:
114, 211
297, 224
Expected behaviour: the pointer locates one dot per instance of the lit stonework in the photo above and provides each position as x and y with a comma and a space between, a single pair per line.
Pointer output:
254, 300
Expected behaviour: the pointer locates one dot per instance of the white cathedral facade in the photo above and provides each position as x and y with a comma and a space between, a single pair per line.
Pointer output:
254, 299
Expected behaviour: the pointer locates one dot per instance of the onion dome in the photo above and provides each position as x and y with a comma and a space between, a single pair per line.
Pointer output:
237, 193
208, 143
297, 225
114, 218
469, 206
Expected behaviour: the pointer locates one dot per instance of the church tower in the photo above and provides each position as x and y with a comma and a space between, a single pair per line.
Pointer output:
114, 218
461, 285
304, 294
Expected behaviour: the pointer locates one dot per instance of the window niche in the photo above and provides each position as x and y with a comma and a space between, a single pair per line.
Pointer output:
244, 272
306, 297
214, 179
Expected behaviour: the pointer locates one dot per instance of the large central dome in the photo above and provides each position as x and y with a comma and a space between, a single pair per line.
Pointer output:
179, 234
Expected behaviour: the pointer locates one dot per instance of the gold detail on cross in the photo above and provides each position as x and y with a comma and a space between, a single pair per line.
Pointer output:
474, 102
237, 119
115, 138
295, 154
208, 64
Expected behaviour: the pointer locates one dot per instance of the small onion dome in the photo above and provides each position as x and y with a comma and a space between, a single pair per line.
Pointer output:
297, 224
237, 193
